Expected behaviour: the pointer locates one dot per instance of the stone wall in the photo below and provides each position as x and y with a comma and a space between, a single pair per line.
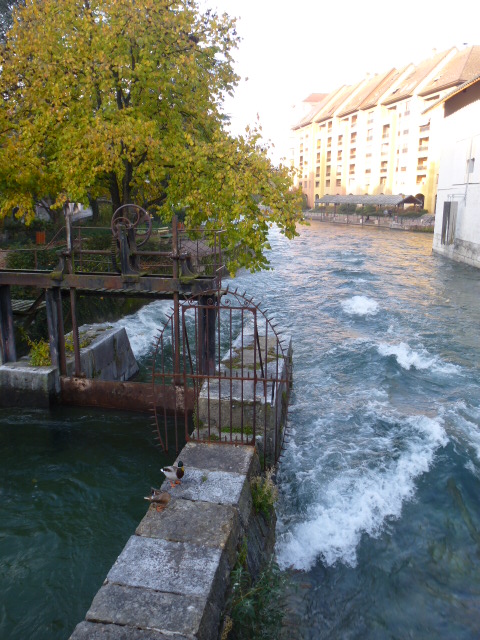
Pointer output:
107, 355
172, 578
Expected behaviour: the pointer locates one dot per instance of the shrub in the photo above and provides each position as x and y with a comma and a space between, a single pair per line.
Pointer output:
256, 610
264, 493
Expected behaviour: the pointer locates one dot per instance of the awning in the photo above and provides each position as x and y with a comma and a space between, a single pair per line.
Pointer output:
379, 201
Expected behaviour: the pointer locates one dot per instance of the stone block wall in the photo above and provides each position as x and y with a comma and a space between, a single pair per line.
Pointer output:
172, 578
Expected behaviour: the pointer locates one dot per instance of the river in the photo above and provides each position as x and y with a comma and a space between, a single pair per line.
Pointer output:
379, 519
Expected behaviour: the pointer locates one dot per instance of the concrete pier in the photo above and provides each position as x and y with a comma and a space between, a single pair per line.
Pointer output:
172, 577
107, 355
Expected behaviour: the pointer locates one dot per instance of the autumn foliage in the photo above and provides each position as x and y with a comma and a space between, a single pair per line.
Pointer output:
123, 99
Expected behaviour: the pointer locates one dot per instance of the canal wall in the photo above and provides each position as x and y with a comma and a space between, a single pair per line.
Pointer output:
106, 355
424, 223
172, 578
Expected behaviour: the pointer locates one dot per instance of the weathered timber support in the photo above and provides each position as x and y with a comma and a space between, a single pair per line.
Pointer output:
207, 316
76, 341
53, 325
7, 336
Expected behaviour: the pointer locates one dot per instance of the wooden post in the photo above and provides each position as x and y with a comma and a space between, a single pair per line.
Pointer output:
52, 324
207, 315
76, 342
7, 335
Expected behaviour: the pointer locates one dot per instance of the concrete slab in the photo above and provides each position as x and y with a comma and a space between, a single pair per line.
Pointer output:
217, 457
92, 631
218, 487
212, 525
147, 609
174, 567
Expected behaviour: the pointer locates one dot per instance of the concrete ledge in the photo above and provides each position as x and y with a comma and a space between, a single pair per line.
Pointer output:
172, 577
108, 356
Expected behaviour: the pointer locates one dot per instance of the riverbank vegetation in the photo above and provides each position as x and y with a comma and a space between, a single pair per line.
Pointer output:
124, 101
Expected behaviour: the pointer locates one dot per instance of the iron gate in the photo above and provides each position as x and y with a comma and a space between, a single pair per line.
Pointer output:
221, 373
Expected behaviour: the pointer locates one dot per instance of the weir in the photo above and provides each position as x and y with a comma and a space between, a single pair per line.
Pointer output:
139, 262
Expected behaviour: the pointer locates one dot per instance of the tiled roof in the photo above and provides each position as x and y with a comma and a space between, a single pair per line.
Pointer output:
328, 111
308, 119
381, 200
413, 79
453, 92
464, 66
389, 81
370, 87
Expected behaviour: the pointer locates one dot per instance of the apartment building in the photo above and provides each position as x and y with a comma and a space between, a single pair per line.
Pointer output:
379, 136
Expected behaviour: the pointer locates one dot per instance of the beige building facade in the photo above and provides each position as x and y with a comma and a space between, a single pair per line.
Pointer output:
379, 136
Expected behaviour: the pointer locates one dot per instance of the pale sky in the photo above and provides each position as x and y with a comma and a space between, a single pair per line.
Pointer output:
290, 50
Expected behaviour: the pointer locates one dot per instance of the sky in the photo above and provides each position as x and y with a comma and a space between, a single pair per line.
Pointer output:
292, 49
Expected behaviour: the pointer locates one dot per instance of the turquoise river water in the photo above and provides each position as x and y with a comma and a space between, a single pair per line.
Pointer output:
379, 515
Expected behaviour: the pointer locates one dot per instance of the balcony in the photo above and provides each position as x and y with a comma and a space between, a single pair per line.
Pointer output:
425, 127
421, 167
423, 148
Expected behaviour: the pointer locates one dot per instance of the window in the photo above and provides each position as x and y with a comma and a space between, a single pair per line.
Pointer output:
470, 165
339, 154
369, 135
329, 156
340, 140
384, 165
386, 131
368, 171
329, 126
327, 183
319, 143
318, 157
354, 120
353, 138
339, 182
317, 184
422, 164
351, 169
328, 170
317, 172
383, 181
329, 142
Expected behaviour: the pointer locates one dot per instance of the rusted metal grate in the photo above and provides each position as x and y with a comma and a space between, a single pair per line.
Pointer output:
230, 372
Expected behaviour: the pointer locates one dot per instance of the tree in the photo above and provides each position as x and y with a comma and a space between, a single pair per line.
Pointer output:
124, 98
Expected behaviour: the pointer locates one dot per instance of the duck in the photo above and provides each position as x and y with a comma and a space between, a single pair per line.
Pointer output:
174, 473
159, 498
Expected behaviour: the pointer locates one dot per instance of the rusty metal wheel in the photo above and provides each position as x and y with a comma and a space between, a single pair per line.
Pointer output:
132, 216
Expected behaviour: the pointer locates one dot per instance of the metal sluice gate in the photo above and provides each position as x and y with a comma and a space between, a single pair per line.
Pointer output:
230, 375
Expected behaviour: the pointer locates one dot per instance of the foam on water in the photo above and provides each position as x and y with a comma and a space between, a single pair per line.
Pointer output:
361, 495
360, 306
419, 359
142, 327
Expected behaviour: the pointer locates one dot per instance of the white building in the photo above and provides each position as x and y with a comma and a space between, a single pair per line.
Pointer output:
457, 212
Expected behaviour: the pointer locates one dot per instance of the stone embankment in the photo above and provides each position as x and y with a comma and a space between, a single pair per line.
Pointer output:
172, 578
424, 223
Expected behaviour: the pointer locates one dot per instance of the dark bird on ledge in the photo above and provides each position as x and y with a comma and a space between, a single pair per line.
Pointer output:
159, 498
174, 473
